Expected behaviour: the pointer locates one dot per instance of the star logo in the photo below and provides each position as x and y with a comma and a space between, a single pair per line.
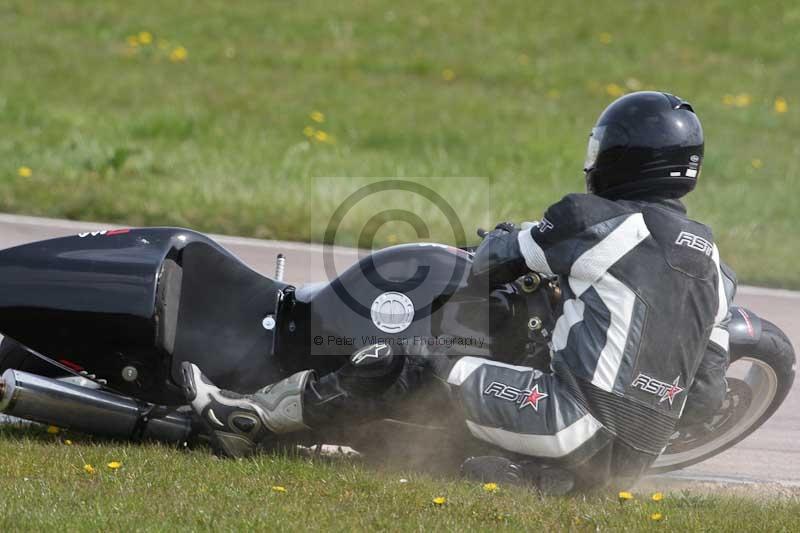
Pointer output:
672, 391
532, 398
376, 351
661, 389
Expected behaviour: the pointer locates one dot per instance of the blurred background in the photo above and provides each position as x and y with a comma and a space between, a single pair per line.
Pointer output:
220, 115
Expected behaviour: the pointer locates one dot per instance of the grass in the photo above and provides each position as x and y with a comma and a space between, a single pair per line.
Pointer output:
203, 125
45, 488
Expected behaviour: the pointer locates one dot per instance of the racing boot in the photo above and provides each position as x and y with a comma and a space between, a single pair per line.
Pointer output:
351, 395
236, 422
357, 392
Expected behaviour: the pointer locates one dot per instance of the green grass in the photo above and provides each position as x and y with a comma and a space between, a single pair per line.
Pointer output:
216, 142
44, 487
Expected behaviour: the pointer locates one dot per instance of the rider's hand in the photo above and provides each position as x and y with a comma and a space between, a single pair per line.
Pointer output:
501, 227
507, 227
499, 257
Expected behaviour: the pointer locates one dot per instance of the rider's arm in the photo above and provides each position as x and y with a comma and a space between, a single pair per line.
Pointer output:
709, 387
549, 246
570, 228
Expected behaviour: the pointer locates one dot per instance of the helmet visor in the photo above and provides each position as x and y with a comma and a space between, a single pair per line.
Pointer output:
593, 148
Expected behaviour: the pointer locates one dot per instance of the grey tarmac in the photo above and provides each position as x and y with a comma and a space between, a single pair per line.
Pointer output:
771, 455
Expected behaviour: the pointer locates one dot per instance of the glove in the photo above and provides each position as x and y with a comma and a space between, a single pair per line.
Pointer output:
499, 257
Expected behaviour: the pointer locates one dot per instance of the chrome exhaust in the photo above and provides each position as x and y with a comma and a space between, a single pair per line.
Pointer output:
95, 412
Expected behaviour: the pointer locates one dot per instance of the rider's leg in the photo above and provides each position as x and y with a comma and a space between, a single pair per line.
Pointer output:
237, 423
538, 418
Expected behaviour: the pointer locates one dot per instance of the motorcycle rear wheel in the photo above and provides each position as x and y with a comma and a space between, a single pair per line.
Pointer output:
759, 379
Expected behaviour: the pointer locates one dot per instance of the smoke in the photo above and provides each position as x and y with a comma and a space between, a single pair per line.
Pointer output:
424, 432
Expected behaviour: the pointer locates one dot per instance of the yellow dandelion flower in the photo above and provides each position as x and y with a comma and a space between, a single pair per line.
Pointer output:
89, 469
781, 105
25, 172
132, 40
743, 100
145, 37
53, 430
605, 38
490, 487
308, 131
624, 496
114, 465
317, 116
657, 496
68, 442
278, 488
321, 136
657, 517
178, 54
448, 74
613, 90
757, 163
729, 100
439, 500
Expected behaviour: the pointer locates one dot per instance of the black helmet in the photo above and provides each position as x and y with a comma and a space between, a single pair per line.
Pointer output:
645, 144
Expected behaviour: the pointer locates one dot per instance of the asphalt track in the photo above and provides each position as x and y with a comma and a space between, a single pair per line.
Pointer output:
771, 454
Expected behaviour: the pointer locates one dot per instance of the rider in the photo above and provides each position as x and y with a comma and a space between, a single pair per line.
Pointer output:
645, 305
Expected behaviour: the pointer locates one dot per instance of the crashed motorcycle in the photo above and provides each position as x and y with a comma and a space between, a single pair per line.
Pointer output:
97, 325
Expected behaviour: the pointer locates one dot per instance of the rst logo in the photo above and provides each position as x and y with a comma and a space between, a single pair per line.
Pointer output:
523, 397
106, 233
695, 242
665, 391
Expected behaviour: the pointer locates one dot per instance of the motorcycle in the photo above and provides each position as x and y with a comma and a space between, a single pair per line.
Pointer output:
97, 325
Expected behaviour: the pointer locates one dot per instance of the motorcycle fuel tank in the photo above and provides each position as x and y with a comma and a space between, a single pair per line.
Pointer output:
409, 293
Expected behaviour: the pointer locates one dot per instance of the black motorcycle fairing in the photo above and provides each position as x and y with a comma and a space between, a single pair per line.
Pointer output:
98, 287
105, 301
219, 326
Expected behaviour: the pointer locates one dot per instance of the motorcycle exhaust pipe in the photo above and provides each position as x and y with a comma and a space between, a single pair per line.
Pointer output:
90, 411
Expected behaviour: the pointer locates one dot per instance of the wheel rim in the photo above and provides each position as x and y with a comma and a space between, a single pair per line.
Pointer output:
752, 386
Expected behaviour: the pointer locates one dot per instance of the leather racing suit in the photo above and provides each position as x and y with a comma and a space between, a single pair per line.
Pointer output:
644, 310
